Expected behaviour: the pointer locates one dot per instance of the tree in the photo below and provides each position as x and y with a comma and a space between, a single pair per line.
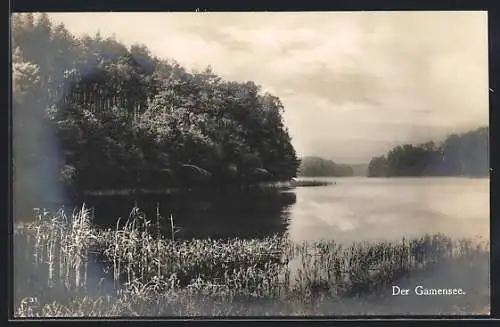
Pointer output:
460, 154
378, 167
126, 119
316, 167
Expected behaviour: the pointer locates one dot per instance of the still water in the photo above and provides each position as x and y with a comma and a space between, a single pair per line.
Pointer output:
388, 209
353, 209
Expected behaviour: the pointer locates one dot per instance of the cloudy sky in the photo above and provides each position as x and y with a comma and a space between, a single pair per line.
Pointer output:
353, 84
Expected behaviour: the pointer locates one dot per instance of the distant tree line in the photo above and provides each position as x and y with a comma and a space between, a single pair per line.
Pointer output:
319, 167
124, 118
464, 154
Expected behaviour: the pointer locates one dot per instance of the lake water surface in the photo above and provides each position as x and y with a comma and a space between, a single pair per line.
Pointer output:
388, 209
353, 209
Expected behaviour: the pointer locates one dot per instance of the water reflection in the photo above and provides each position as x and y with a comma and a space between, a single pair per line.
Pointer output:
370, 209
354, 209
253, 215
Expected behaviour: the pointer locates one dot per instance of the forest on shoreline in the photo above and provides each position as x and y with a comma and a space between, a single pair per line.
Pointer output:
97, 114
461, 154
311, 166
465, 154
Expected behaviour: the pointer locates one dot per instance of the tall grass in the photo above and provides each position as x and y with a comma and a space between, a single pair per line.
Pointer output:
74, 268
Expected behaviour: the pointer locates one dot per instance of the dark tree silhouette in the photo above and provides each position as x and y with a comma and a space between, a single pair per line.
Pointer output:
319, 167
464, 154
126, 119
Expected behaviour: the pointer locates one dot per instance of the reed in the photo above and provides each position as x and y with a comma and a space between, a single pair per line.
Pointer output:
145, 269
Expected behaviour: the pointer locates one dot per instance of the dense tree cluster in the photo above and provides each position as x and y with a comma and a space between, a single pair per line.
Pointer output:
319, 167
124, 118
459, 155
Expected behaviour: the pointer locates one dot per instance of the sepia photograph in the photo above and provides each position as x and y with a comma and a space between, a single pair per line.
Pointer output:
250, 164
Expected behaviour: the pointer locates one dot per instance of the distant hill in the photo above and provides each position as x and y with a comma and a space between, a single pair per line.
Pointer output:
316, 167
359, 169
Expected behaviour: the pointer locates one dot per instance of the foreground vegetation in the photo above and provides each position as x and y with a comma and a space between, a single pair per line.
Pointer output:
65, 267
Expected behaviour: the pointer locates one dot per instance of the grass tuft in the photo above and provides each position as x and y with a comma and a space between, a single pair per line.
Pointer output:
67, 267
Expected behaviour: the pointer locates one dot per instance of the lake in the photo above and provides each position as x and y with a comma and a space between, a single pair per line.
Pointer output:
353, 209
388, 209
